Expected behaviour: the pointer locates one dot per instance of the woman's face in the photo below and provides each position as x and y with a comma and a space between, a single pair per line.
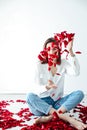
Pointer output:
52, 48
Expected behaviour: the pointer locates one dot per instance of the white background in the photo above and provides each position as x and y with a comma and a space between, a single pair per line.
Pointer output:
25, 25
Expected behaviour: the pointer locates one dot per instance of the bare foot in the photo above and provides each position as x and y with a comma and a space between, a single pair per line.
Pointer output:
43, 119
78, 125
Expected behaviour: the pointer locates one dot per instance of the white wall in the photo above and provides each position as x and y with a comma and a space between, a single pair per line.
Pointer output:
25, 25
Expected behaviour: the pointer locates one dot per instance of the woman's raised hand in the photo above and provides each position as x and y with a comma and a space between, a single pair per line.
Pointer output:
70, 47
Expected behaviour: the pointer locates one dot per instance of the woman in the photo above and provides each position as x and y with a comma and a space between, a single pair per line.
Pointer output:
50, 79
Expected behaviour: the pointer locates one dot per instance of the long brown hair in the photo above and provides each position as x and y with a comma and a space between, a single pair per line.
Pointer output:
44, 46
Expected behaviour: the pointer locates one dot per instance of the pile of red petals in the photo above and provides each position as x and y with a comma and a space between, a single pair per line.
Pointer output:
55, 124
6, 117
25, 114
82, 112
8, 121
58, 124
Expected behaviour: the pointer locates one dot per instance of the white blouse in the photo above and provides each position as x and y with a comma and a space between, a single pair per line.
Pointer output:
42, 75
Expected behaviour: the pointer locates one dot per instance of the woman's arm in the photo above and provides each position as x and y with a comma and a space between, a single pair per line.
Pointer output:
70, 48
39, 80
72, 67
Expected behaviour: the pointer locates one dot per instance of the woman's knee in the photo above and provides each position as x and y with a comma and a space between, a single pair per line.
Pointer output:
80, 94
30, 97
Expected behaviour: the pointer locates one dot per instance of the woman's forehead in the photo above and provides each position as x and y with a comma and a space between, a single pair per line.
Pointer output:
51, 44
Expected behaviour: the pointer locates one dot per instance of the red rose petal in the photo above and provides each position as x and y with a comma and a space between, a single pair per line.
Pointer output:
78, 52
60, 112
58, 74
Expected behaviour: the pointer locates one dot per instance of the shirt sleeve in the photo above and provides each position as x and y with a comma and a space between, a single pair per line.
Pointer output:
72, 67
38, 84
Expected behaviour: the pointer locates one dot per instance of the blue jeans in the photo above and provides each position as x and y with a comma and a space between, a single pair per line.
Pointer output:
41, 106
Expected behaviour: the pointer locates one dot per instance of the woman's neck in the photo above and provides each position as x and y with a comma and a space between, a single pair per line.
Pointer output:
53, 70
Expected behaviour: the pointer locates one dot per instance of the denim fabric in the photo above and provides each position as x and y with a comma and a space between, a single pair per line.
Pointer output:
41, 106
37, 106
70, 101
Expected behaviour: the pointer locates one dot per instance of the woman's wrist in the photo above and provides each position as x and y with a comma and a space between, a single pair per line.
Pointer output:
71, 53
47, 87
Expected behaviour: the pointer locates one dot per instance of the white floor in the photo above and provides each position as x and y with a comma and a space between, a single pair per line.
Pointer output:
16, 107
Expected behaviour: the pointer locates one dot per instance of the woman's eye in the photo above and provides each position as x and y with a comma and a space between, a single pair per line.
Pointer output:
54, 49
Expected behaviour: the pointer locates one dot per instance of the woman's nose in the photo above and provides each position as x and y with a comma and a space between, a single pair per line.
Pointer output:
51, 51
